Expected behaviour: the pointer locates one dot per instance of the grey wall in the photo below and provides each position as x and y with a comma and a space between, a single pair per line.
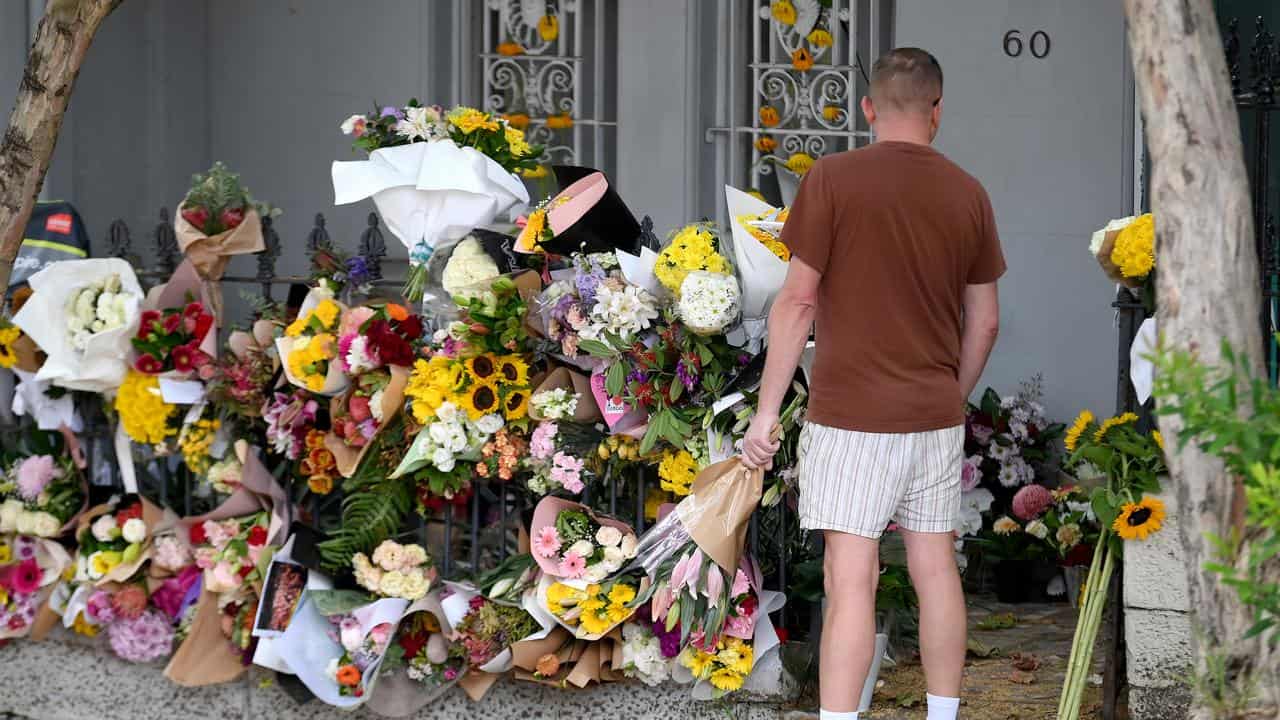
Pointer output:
1051, 140
13, 51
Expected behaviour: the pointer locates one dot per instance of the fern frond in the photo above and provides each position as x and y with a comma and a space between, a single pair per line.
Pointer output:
368, 517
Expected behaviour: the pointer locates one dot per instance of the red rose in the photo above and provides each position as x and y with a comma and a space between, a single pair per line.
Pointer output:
783, 635
748, 605
148, 364
193, 309
197, 535
197, 216
133, 510
258, 536
244, 571
412, 643
204, 322
232, 217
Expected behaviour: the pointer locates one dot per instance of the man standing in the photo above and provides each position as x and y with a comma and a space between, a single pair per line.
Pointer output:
895, 258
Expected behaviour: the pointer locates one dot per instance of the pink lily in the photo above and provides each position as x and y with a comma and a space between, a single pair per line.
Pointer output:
740, 584
685, 573
662, 598
715, 586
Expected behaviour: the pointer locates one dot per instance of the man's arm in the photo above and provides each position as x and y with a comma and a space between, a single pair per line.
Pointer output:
981, 325
790, 320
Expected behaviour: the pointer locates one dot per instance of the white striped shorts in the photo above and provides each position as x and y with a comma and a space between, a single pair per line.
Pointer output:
857, 482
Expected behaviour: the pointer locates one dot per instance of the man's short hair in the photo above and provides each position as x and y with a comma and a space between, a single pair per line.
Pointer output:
907, 80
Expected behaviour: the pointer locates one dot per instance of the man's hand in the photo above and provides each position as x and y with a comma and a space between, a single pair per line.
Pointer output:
757, 447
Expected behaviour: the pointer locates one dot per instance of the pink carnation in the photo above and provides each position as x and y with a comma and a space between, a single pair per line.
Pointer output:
1031, 501
542, 443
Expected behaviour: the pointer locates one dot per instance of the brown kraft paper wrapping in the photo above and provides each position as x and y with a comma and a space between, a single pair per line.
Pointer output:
529, 284
1110, 268
588, 411
718, 509
211, 253
205, 657
155, 519
475, 683
348, 458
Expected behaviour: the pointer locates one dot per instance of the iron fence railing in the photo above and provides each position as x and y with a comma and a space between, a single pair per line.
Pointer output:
466, 538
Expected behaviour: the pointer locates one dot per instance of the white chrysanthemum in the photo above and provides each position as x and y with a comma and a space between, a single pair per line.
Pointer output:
709, 301
468, 266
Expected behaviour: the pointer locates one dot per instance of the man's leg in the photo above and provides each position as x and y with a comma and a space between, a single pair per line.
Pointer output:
851, 569
932, 563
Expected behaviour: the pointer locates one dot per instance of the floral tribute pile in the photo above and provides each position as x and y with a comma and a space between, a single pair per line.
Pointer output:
589, 372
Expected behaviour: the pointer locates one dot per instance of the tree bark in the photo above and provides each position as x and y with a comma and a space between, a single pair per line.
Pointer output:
1208, 290
61, 42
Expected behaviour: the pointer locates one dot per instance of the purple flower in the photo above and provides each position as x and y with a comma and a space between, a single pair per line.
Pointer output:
636, 376
146, 638
561, 309
687, 375
744, 358
394, 112
587, 282
358, 271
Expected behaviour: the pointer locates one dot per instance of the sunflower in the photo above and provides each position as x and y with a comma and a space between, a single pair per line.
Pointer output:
1109, 423
512, 370
481, 368
1139, 520
8, 336
1082, 423
515, 405
480, 399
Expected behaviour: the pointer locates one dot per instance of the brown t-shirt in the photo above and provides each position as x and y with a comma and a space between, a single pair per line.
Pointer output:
897, 231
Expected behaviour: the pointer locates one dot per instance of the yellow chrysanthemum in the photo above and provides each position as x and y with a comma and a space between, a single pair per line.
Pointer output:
1109, 423
1135, 248
1155, 435
692, 248
143, 412
536, 172
784, 12
1140, 520
8, 336
6, 554
469, 120
677, 472
820, 38
327, 313
195, 441
1082, 423
654, 499
515, 138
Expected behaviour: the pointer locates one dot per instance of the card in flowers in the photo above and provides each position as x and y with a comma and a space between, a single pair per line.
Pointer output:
82, 314
570, 541
309, 347
42, 496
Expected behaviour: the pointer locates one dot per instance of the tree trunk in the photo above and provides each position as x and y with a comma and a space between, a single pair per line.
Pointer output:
1207, 288
62, 40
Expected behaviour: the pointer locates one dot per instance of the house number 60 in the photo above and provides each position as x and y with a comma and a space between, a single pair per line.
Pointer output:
1038, 44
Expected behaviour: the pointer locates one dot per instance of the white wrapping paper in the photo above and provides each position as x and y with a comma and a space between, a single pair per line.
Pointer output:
761, 271
1141, 369
102, 365
29, 398
432, 191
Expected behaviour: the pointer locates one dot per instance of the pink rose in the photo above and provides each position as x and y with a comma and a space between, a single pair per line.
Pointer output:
206, 557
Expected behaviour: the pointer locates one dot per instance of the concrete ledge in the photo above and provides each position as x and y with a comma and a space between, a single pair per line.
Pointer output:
1155, 575
1163, 703
1159, 647
70, 678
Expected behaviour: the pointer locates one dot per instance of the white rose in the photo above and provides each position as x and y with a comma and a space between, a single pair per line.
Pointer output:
392, 584
595, 573
26, 523
583, 548
439, 432
331, 670
9, 513
104, 529
608, 536
442, 459
1038, 529
135, 531
628, 546
614, 557
489, 424
45, 525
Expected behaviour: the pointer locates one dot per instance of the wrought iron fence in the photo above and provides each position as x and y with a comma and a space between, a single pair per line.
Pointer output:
465, 538
1255, 85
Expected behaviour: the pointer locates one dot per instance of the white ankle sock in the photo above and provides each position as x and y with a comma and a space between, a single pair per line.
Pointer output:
828, 715
942, 708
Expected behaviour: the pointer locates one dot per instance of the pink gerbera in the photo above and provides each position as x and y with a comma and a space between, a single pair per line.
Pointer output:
25, 578
547, 542
572, 566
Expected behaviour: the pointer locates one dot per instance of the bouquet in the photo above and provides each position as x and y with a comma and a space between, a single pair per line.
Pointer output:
145, 417
309, 348
484, 634
761, 256
42, 496
693, 248
1009, 443
570, 542
554, 404
595, 305
556, 459
170, 340
137, 632
82, 314
434, 175
357, 414
644, 652
692, 593
373, 338
445, 451
242, 379
290, 417
593, 610
360, 652
1072, 525
395, 571
196, 442
217, 203
29, 567
233, 552
424, 648
1125, 249
112, 542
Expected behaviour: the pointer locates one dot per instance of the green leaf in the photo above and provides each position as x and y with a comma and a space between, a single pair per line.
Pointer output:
615, 379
